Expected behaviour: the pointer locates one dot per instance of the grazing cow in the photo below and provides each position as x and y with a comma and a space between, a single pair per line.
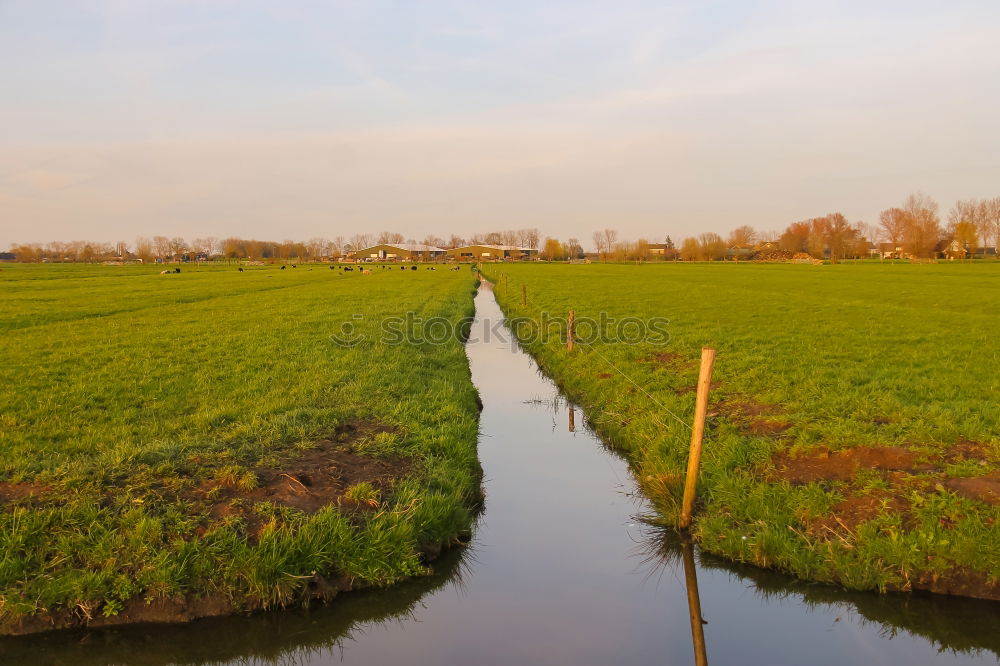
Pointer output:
413, 268
365, 271
284, 267
294, 266
166, 272
177, 270
240, 269
333, 268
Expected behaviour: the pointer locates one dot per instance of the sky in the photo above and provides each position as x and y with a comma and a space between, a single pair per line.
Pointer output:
292, 120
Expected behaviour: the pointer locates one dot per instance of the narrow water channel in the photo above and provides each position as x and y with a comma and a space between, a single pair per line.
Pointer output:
560, 571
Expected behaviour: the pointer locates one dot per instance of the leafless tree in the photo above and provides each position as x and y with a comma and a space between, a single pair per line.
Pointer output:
361, 241
893, 224
161, 246
923, 228
389, 237
743, 236
605, 241
839, 236
573, 249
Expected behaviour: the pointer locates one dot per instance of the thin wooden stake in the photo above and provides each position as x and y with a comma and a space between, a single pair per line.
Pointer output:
572, 420
524, 294
569, 331
694, 457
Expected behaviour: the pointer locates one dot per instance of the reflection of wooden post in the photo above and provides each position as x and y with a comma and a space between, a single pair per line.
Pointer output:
694, 604
524, 294
569, 331
572, 419
694, 457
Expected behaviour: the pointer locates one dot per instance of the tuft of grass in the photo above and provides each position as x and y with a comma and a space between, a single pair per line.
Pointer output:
363, 493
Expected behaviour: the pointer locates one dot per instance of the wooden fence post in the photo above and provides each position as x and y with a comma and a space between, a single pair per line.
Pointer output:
572, 419
524, 294
569, 331
694, 457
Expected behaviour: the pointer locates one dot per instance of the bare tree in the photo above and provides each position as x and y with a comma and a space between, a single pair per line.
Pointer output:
361, 241
530, 238
316, 247
923, 228
711, 246
994, 214
744, 236
143, 249
161, 246
178, 246
893, 224
840, 236
389, 237
690, 249
610, 239
598, 238
573, 249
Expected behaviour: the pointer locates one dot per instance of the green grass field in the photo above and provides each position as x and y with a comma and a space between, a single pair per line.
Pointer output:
854, 429
176, 437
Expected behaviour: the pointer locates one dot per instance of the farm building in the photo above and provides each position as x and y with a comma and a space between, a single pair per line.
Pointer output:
399, 252
491, 252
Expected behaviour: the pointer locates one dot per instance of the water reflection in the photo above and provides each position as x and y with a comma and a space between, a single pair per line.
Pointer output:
953, 626
295, 636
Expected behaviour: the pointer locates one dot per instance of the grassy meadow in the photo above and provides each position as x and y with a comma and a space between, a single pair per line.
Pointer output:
853, 433
172, 439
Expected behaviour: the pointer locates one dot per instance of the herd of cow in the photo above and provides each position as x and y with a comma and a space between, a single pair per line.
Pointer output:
362, 271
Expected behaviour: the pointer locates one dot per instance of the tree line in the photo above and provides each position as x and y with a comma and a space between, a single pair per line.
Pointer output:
914, 229
163, 248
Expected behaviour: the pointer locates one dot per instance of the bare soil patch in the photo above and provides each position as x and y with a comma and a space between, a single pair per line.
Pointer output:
822, 465
755, 418
315, 479
672, 360
982, 488
966, 450
19, 492
848, 514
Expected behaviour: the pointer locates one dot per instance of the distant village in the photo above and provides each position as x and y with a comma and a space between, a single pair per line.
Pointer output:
911, 231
